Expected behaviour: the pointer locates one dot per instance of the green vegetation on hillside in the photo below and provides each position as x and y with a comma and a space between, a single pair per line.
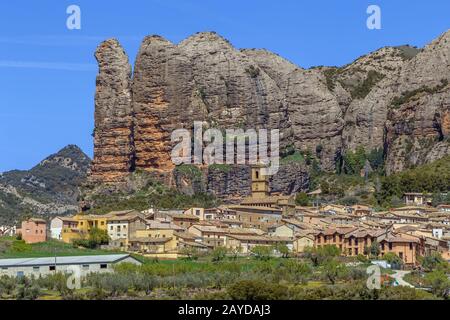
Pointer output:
349, 187
362, 90
152, 194
408, 96
430, 178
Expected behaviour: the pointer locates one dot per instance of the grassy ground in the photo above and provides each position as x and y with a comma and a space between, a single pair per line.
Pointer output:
13, 248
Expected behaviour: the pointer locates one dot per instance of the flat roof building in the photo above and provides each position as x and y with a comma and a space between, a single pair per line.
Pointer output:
50, 265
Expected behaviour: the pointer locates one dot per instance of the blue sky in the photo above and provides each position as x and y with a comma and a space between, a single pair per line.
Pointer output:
47, 72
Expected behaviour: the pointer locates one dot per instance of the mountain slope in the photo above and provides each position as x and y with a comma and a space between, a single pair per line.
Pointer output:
49, 188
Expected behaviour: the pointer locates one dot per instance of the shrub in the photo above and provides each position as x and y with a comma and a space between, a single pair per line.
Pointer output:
302, 199
218, 254
262, 252
257, 290
439, 282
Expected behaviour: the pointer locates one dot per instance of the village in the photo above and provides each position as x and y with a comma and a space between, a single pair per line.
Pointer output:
261, 220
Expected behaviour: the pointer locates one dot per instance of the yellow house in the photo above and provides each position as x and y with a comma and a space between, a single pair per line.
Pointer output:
87, 222
69, 234
84, 224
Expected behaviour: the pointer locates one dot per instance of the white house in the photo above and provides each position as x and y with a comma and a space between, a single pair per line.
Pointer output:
57, 224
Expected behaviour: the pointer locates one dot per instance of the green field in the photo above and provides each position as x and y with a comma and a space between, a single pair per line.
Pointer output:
13, 248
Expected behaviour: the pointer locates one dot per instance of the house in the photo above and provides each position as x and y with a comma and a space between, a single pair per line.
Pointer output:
185, 220
58, 224
331, 209
257, 216
360, 210
147, 245
444, 207
231, 223
122, 225
211, 213
341, 219
406, 248
332, 236
312, 217
33, 230
197, 212
215, 236
302, 241
245, 243
417, 198
227, 213
155, 240
211, 236
351, 241
84, 224
282, 230
51, 265
188, 240
357, 241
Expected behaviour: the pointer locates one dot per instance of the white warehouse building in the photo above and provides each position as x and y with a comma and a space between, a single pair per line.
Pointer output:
50, 265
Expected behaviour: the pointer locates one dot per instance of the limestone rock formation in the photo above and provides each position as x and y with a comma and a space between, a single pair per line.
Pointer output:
396, 98
113, 133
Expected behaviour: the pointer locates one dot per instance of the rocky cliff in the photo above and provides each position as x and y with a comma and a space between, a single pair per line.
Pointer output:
50, 188
396, 98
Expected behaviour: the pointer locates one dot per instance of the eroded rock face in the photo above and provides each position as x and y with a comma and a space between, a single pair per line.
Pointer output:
113, 134
204, 78
418, 116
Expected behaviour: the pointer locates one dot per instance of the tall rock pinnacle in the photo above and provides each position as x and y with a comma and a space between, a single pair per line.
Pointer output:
113, 134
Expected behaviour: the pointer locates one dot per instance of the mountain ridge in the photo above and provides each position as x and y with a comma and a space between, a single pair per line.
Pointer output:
49, 188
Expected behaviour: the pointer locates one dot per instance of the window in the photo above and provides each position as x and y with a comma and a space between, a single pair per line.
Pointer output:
382, 246
102, 223
356, 242
356, 251
197, 212
350, 241
390, 246
36, 269
257, 174
52, 268
334, 238
111, 228
410, 246
103, 266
